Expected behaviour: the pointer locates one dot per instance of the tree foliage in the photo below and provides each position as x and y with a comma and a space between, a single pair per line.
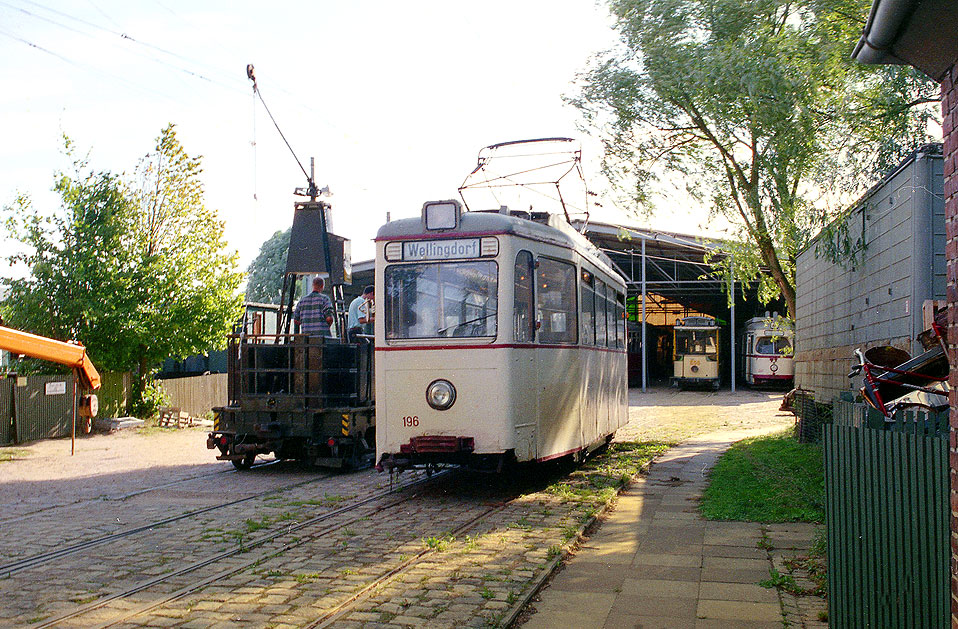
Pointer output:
265, 274
136, 271
756, 106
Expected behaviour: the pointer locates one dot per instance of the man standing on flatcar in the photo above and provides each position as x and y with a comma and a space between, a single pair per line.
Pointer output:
360, 316
314, 312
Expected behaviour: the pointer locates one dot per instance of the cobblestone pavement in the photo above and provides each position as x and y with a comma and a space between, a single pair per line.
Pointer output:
457, 550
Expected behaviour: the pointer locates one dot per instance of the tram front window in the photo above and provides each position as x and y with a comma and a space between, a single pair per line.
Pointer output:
695, 342
444, 299
773, 346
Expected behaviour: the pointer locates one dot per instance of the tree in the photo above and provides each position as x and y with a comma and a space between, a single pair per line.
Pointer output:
136, 271
757, 108
265, 274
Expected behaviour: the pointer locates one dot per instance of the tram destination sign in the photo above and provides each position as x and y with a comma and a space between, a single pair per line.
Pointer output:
441, 249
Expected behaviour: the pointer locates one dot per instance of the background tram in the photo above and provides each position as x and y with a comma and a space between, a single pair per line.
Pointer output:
500, 338
695, 353
767, 354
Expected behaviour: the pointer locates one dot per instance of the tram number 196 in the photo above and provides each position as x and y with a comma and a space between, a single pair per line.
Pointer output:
410, 420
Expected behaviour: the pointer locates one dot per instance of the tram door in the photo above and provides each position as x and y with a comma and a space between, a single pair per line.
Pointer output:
526, 404
556, 362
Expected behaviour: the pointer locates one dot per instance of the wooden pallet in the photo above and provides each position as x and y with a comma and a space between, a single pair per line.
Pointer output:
174, 418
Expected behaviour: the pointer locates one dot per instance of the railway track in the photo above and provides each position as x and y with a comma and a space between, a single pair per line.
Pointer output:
331, 617
119, 610
8, 569
287, 532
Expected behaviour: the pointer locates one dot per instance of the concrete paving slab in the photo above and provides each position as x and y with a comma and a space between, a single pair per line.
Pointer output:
626, 621
572, 609
753, 552
737, 592
660, 587
753, 576
656, 606
739, 610
735, 563
670, 573
666, 559
711, 623
590, 577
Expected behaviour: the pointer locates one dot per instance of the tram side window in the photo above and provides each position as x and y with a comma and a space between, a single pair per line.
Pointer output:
600, 315
588, 309
524, 322
620, 320
556, 301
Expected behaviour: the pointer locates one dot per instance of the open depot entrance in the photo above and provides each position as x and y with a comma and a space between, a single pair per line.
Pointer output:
670, 271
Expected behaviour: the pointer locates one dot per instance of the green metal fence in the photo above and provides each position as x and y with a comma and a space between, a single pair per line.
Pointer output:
886, 486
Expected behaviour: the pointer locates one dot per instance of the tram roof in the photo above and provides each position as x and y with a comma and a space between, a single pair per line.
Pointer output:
550, 228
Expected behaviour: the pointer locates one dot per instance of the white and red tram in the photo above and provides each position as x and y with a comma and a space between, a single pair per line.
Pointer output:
767, 351
500, 337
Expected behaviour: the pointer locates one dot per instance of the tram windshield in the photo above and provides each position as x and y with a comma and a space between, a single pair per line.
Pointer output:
444, 299
695, 342
773, 346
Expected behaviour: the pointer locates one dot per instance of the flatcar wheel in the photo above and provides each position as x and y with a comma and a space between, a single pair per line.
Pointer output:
245, 463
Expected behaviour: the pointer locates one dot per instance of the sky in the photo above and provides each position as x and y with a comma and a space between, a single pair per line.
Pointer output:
393, 100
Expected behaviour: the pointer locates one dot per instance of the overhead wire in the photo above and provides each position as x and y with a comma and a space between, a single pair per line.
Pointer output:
83, 66
122, 36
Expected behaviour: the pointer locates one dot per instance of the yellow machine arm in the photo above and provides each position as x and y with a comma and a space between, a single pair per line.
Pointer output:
69, 354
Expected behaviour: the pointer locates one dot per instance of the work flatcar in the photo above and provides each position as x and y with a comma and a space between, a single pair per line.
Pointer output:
302, 396
695, 353
767, 351
500, 338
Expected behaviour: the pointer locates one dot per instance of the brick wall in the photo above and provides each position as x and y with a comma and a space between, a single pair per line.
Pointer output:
949, 107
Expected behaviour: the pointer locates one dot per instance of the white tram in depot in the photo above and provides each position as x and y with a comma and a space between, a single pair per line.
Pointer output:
695, 353
767, 351
500, 338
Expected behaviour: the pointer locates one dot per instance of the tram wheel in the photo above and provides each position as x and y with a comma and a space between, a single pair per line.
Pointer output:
245, 463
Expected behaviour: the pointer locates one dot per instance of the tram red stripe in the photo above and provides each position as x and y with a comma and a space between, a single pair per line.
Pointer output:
407, 348
559, 455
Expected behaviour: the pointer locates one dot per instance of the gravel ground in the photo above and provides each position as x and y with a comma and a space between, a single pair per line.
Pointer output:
44, 474
670, 415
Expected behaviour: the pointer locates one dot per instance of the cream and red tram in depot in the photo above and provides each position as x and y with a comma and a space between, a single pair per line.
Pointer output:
767, 351
695, 352
500, 338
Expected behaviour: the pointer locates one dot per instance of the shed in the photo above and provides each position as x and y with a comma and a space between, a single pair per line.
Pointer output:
875, 297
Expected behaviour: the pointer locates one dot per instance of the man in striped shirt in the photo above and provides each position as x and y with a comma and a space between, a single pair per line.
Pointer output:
314, 312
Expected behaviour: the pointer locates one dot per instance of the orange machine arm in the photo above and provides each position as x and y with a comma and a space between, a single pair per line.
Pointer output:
17, 342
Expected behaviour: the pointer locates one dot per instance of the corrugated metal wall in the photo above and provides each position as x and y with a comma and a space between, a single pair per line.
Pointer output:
877, 301
113, 394
887, 512
43, 407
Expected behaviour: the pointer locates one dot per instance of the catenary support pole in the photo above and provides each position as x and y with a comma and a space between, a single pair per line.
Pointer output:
732, 329
645, 363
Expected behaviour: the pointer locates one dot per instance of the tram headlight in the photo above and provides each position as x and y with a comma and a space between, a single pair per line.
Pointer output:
440, 394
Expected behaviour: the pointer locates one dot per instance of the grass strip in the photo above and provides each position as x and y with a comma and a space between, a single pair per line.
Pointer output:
772, 478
